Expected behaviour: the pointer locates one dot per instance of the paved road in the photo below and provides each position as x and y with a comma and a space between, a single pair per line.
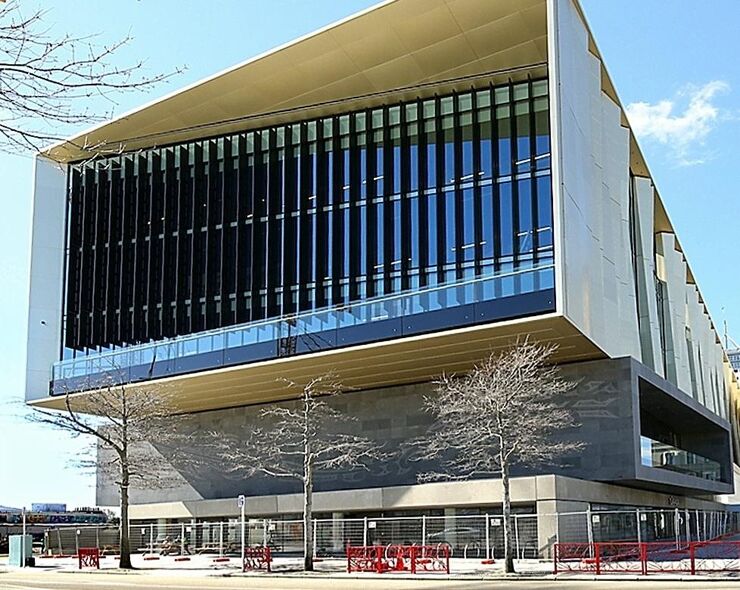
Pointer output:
71, 581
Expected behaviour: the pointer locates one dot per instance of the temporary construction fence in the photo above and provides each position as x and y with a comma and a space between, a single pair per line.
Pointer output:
467, 536
694, 557
67, 540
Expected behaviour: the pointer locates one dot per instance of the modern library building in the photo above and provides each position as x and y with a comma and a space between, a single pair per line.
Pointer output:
391, 197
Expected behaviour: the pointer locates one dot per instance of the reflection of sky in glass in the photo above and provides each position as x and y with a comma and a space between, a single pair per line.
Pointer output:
336, 183
646, 452
431, 298
665, 456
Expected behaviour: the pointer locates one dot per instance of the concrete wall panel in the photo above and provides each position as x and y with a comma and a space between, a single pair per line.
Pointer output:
47, 274
593, 197
649, 322
609, 251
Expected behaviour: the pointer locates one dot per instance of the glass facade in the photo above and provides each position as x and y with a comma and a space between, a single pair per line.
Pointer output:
311, 216
734, 356
664, 456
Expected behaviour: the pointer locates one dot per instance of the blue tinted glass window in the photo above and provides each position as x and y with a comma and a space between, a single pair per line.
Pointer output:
450, 226
523, 141
314, 174
363, 170
506, 220
312, 221
503, 124
379, 174
346, 242
468, 225
542, 133
296, 189
542, 126
329, 176
363, 240
449, 151
396, 263
486, 162
396, 165
466, 133
431, 141
346, 174
273, 197
329, 224
544, 212
432, 216
380, 238
487, 221
414, 231
524, 188
414, 163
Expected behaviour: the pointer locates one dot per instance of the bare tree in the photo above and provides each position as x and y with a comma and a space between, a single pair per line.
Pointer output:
296, 443
504, 412
47, 82
121, 423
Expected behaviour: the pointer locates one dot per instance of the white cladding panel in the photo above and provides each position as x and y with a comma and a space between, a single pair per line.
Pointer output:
644, 213
674, 275
693, 357
47, 269
599, 289
608, 252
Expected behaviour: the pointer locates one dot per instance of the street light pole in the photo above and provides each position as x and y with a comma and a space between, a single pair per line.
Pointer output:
23, 538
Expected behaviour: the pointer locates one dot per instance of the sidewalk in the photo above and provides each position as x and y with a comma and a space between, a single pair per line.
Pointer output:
205, 566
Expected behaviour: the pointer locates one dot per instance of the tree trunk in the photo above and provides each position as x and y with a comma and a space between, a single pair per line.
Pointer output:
508, 548
125, 562
308, 516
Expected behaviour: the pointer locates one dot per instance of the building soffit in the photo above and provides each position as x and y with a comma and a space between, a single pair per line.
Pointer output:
401, 361
442, 45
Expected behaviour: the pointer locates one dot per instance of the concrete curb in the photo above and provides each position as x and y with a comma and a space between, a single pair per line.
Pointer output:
446, 578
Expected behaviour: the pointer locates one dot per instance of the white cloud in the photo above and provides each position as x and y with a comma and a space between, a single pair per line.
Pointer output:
684, 132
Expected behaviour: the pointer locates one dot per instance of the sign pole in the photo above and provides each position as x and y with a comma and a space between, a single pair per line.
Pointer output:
241, 501
23, 539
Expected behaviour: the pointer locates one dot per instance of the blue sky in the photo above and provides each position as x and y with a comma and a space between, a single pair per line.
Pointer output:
674, 63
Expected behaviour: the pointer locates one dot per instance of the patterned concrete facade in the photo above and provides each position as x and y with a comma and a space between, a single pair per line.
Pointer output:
606, 404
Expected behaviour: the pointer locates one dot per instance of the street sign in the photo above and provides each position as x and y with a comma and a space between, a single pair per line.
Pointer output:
240, 501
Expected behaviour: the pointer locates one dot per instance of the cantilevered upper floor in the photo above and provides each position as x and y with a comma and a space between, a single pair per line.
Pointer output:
391, 196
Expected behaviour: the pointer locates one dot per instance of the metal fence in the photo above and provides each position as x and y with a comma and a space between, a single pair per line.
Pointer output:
647, 558
477, 536
67, 540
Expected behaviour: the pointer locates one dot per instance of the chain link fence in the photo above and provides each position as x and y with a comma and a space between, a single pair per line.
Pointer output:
470, 537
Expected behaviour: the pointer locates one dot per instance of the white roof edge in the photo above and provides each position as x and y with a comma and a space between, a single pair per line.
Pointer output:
212, 77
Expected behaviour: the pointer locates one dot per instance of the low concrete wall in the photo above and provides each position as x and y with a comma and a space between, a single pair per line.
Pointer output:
549, 493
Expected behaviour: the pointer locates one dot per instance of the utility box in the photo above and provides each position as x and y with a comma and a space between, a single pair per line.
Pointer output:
20, 550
